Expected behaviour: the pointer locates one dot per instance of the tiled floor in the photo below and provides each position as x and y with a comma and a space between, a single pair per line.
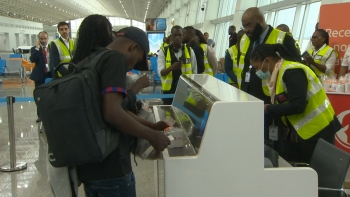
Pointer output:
31, 148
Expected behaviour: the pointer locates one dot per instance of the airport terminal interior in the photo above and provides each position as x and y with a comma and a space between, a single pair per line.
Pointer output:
22, 20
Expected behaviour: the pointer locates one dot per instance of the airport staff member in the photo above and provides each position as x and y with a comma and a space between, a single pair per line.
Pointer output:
298, 96
210, 61
61, 49
258, 32
231, 68
321, 57
174, 60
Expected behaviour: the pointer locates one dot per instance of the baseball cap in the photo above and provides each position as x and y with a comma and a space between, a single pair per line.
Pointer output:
140, 37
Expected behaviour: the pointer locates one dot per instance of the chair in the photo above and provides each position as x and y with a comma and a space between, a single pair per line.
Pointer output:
331, 165
2, 66
16, 55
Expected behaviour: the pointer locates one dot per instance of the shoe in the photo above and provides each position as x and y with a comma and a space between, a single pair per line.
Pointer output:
38, 120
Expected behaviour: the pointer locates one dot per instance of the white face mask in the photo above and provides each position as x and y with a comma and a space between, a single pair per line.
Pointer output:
263, 75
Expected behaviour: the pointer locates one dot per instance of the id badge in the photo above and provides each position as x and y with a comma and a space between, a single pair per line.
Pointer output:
247, 76
47, 65
273, 133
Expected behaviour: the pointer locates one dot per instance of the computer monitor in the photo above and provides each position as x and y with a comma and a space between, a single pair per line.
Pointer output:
155, 24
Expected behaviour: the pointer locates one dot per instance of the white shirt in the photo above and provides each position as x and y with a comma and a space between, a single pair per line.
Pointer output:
346, 59
331, 60
66, 42
161, 60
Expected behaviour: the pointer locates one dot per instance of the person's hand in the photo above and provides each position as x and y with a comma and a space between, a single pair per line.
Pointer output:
235, 85
159, 141
160, 126
265, 108
37, 45
308, 59
143, 81
176, 66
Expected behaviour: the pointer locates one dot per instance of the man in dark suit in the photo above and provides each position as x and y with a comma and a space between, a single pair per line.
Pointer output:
39, 55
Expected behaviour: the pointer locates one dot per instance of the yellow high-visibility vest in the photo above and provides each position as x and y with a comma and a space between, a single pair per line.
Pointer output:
276, 36
207, 68
186, 67
64, 53
164, 44
233, 51
318, 112
321, 57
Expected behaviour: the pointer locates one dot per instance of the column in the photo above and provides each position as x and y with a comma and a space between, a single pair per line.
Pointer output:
211, 13
194, 9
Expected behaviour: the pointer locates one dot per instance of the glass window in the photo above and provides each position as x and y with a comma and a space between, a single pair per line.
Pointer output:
300, 24
272, 19
139, 24
266, 16
226, 7
285, 16
221, 38
263, 2
309, 24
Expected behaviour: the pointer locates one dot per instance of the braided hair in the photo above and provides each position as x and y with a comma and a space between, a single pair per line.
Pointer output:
325, 34
93, 32
271, 50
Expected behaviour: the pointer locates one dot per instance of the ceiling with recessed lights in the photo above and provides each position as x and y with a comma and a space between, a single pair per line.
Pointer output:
50, 12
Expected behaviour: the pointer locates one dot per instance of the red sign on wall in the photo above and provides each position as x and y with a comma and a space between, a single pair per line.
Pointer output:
333, 19
341, 106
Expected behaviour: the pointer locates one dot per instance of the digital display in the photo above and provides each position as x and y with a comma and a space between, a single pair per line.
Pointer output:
155, 40
155, 24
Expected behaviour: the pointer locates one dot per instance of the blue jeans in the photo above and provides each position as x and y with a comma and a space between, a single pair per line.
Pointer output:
120, 187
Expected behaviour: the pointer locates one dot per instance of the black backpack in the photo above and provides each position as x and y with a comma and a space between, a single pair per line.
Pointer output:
70, 108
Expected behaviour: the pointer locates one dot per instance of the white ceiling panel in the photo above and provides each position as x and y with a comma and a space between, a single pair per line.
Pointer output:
50, 12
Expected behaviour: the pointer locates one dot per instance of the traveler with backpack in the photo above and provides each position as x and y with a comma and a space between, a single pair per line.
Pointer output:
128, 50
114, 172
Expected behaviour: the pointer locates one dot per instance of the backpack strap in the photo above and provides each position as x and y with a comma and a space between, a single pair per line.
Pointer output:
93, 59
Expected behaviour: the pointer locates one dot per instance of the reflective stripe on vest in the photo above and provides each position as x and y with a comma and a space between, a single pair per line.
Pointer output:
207, 68
318, 112
233, 51
186, 68
276, 36
321, 57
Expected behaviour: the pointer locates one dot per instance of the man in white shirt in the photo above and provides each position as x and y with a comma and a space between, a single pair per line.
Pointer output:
174, 60
345, 63
61, 49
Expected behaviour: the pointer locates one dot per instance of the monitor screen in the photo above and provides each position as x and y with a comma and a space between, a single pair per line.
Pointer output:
155, 24
155, 40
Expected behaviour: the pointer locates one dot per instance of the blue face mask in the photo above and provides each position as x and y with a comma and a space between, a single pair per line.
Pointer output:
263, 75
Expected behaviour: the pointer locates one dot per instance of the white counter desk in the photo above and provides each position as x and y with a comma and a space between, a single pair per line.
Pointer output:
223, 149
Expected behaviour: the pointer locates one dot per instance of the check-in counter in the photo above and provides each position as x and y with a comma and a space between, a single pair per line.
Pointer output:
220, 150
